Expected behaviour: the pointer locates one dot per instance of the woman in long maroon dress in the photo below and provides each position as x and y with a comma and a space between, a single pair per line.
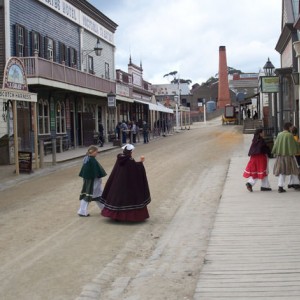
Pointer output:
126, 194
257, 167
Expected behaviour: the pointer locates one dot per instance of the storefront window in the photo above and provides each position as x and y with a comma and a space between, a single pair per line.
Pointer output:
124, 112
43, 117
60, 118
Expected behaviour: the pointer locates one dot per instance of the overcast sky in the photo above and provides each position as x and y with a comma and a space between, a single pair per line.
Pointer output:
185, 35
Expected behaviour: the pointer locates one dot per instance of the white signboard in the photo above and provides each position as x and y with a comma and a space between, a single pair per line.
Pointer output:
122, 90
269, 84
74, 14
17, 95
111, 100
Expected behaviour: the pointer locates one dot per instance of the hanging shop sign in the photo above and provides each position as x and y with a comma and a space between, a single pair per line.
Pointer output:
111, 99
15, 82
269, 84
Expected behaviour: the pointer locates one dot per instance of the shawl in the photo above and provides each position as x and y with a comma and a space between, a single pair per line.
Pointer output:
91, 168
285, 144
127, 186
259, 146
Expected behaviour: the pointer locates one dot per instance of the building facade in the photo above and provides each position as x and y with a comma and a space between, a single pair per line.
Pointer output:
284, 106
59, 43
141, 103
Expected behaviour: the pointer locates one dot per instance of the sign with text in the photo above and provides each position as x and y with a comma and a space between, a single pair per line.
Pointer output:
15, 82
14, 75
17, 95
111, 100
25, 161
74, 14
269, 84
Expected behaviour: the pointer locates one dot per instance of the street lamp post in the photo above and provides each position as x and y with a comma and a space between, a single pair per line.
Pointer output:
269, 71
204, 111
84, 53
112, 113
177, 112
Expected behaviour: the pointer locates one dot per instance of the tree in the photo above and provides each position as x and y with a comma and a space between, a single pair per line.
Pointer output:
214, 79
231, 71
209, 81
177, 80
171, 73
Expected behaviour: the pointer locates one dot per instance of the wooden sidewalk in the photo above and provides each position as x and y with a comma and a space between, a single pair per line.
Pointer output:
254, 248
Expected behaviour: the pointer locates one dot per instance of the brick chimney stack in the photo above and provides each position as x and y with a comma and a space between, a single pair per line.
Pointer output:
223, 87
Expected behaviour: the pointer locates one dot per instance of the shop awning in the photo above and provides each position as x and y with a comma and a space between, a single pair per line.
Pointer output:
156, 107
164, 109
125, 99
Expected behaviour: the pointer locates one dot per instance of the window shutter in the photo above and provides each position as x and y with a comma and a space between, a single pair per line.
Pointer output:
26, 46
54, 51
41, 46
61, 52
16, 40
31, 43
46, 48
69, 57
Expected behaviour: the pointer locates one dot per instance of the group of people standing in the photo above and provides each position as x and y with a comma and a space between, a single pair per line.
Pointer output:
125, 130
286, 149
126, 193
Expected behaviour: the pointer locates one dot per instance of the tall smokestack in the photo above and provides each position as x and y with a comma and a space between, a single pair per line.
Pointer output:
223, 87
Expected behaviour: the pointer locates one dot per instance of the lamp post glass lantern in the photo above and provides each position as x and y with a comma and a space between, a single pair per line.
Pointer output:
97, 49
111, 99
269, 68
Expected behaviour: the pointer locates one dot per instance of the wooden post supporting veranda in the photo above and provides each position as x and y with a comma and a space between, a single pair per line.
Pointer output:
36, 149
14, 104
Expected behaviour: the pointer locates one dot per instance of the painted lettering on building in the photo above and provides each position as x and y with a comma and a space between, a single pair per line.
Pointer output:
72, 13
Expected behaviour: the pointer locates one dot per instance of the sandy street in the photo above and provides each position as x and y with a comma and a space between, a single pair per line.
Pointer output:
48, 252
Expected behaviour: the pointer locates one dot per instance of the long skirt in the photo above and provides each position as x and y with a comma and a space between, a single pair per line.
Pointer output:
285, 165
133, 215
257, 167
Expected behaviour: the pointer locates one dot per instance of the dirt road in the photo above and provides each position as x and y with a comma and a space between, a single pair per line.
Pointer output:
48, 252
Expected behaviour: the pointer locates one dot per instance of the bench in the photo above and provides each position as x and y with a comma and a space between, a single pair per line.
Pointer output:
62, 144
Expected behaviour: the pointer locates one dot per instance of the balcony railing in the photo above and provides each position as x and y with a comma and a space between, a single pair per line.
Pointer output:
37, 67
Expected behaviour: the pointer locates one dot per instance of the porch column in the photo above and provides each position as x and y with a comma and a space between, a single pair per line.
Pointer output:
36, 149
14, 103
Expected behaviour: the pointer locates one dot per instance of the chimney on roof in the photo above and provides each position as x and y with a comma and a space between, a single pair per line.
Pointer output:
223, 86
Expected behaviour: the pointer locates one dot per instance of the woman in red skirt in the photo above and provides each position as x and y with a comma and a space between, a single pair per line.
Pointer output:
257, 167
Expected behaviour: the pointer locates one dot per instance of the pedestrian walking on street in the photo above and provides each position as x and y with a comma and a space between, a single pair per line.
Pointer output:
285, 148
92, 173
257, 167
134, 132
101, 135
124, 129
126, 193
145, 132
118, 130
